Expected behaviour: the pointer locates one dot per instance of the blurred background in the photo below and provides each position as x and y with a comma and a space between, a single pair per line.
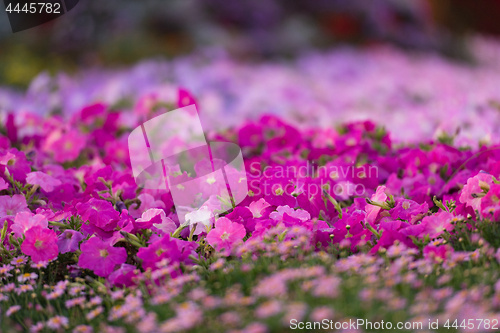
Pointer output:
120, 32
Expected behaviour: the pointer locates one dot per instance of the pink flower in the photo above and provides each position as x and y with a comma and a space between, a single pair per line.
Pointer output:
163, 223
438, 254
68, 146
371, 210
436, 224
298, 214
26, 220
40, 244
225, 234
478, 184
101, 257
10, 206
3, 184
256, 207
46, 182
147, 202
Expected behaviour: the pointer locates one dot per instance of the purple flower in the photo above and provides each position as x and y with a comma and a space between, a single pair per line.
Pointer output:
101, 257
69, 240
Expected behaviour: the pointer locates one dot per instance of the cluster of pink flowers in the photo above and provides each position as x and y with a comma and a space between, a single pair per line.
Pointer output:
69, 202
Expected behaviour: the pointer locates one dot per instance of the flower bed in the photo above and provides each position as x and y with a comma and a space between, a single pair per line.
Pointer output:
340, 225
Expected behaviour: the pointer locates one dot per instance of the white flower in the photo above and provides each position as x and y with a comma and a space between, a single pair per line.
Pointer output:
201, 218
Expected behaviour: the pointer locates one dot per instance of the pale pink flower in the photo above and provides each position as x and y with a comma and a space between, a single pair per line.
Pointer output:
298, 214
147, 202
83, 329
200, 219
10, 206
13, 309
57, 322
167, 225
46, 182
256, 207
26, 220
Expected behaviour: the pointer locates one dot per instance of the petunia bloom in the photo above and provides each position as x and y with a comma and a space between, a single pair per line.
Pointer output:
26, 220
99, 213
157, 218
40, 244
225, 235
68, 146
475, 189
298, 214
69, 240
101, 257
10, 206
46, 182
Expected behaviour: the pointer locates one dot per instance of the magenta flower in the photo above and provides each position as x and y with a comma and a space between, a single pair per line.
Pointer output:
409, 210
172, 249
26, 220
225, 235
123, 276
67, 146
184, 98
46, 182
40, 244
10, 206
69, 240
15, 162
99, 213
101, 257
